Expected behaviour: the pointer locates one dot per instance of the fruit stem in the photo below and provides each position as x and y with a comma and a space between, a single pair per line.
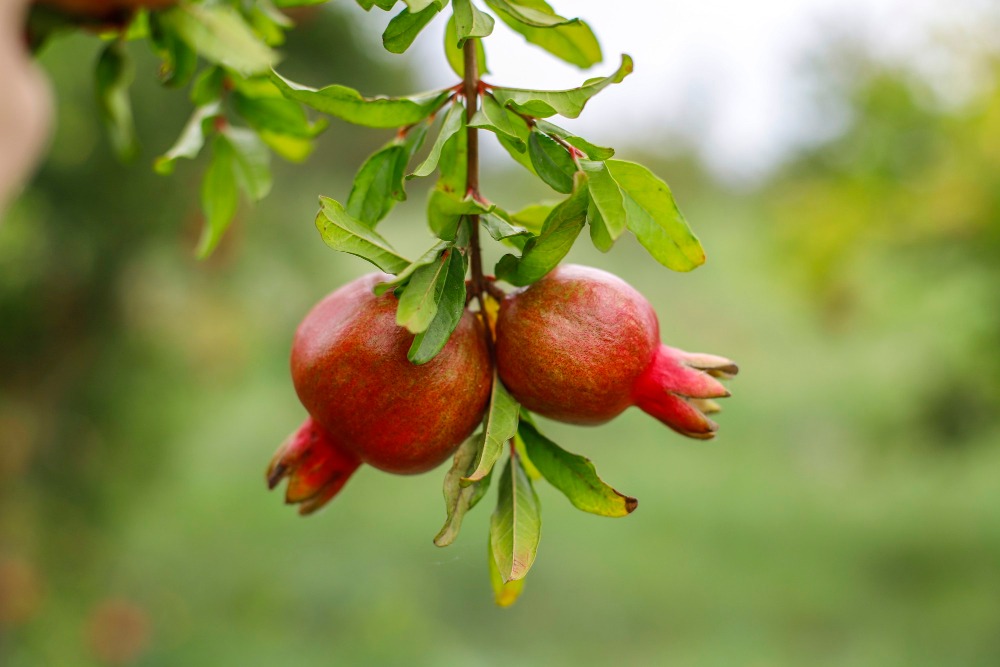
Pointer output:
470, 90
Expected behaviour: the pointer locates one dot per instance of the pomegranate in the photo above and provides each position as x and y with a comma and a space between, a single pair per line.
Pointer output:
580, 345
104, 10
367, 403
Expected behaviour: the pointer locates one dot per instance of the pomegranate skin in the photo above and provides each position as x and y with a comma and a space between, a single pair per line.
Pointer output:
572, 345
103, 9
351, 373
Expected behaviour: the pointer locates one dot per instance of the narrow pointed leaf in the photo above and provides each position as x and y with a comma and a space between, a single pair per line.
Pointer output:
501, 425
178, 60
114, 74
542, 253
445, 212
453, 52
276, 114
251, 162
504, 593
405, 26
384, 5
348, 104
191, 139
568, 103
516, 523
207, 86
429, 257
501, 230
553, 164
220, 34
493, 117
574, 475
470, 21
342, 232
378, 185
592, 151
652, 215
454, 121
574, 43
219, 196
418, 304
599, 234
537, 17
450, 309
460, 499
607, 216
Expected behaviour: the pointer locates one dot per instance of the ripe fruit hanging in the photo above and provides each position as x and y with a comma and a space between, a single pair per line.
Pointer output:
580, 345
103, 10
367, 402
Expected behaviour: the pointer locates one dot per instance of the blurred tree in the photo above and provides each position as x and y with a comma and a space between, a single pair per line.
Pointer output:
909, 193
89, 389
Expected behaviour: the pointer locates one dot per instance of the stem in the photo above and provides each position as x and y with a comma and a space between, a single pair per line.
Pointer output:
470, 90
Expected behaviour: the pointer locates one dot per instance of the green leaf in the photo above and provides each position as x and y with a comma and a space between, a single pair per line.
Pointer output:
454, 54
553, 163
445, 212
178, 60
347, 104
418, 304
653, 216
268, 22
470, 22
342, 232
450, 309
542, 253
418, 5
574, 475
568, 103
429, 257
592, 151
384, 5
251, 161
405, 26
207, 86
533, 216
293, 149
220, 34
219, 196
452, 167
460, 499
378, 185
500, 426
574, 43
501, 230
515, 527
114, 74
504, 593
191, 139
277, 115
537, 16
454, 121
493, 117
607, 215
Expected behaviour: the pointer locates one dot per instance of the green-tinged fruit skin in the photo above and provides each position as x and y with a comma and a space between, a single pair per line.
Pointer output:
580, 345
351, 373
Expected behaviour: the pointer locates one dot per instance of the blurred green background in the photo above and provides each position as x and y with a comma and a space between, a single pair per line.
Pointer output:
848, 514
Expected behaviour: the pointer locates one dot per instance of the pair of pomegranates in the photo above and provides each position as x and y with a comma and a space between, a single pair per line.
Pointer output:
580, 345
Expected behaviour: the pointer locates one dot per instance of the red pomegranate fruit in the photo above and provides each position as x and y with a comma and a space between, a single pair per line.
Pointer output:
580, 345
367, 403
103, 9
